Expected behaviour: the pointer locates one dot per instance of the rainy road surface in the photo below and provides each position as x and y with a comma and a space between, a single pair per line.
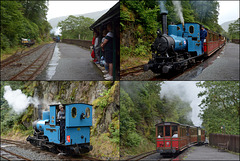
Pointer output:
208, 153
225, 67
70, 62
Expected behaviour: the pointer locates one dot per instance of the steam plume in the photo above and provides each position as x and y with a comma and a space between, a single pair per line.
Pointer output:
187, 91
162, 6
19, 101
178, 10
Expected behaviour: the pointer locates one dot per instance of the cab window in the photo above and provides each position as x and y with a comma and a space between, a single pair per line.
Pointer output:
167, 130
160, 131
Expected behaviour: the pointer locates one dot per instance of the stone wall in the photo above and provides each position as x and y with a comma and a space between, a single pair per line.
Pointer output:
83, 43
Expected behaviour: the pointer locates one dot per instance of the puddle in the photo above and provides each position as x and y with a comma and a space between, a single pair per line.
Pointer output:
50, 70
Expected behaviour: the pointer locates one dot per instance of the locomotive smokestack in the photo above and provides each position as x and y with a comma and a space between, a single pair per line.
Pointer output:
40, 111
164, 23
164, 13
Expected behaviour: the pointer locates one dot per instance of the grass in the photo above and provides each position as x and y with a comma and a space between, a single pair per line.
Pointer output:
132, 61
20, 136
144, 146
103, 148
11, 51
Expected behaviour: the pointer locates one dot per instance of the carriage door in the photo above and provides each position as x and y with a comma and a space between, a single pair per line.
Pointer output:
167, 136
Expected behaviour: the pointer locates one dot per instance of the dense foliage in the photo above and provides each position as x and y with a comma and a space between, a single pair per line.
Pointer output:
140, 20
23, 19
74, 26
220, 106
234, 29
142, 107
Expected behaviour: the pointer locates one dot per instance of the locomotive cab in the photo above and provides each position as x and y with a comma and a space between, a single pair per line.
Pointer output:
70, 134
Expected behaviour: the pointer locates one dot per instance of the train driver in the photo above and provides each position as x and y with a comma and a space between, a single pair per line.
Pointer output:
61, 116
175, 135
203, 35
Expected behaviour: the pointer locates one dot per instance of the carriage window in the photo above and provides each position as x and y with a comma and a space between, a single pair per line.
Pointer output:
160, 131
87, 112
191, 29
167, 130
74, 112
174, 131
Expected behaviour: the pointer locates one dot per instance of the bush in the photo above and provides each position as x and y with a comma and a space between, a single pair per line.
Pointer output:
133, 139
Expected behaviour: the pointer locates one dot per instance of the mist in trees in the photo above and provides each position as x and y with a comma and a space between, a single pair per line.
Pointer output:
142, 107
74, 26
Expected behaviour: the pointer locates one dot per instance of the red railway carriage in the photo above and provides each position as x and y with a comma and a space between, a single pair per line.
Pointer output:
173, 137
214, 41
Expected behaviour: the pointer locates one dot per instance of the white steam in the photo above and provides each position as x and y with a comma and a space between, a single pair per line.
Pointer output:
187, 91
56, 31
178, 10
19, 101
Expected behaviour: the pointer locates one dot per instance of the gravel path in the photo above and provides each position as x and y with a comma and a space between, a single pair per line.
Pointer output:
12, 69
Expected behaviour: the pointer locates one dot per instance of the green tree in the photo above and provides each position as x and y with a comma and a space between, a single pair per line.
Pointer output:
220, 106
234, 29
73, 26
23, 19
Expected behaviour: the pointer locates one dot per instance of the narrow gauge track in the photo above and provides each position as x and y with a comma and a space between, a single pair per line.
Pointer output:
30, 72
5, 154
131, 70
26, 145
22, 68
141, 156
18, 55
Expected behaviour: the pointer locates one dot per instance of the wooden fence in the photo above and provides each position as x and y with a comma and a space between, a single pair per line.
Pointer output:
233, 141
82, 43
236, 41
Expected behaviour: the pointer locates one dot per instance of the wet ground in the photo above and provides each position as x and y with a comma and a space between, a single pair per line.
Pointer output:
208, 153
225, 66
196, 153
70, 62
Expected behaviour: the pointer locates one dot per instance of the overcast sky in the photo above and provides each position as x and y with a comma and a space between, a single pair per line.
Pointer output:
64, 8
229, 10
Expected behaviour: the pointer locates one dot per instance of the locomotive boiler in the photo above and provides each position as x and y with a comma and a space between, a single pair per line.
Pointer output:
69, 134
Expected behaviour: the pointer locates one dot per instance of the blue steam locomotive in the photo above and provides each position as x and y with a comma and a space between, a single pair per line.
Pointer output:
69, 134
177, 49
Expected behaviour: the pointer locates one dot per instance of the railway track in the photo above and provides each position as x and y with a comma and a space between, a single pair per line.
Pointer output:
141, 156
18, 55
27, 145
132, 70
7, 155
20, 68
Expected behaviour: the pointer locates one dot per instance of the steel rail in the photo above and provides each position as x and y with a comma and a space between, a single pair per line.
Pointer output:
45, 53
13, 154
17, 57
